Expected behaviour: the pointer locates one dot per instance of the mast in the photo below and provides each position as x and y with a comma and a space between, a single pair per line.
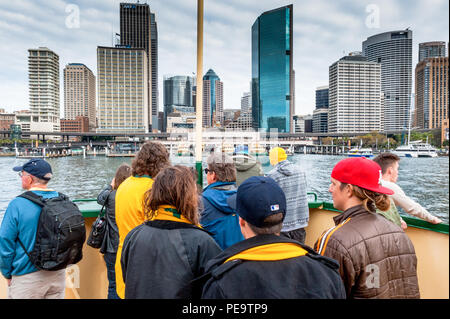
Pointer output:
199, 94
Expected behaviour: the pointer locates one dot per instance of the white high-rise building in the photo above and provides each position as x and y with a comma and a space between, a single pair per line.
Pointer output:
43, 79
393, 50
246, 102
355, 98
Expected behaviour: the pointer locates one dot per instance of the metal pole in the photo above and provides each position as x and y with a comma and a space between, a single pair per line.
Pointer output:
199, 94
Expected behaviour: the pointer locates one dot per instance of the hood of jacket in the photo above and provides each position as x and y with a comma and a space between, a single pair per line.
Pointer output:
217, 194
285, 167
243, 162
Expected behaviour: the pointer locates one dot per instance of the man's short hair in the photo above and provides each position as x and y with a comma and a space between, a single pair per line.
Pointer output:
272, 225
223, 166
386, 160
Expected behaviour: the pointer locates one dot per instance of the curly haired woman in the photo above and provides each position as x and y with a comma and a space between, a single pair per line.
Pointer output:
149, 161
161, 257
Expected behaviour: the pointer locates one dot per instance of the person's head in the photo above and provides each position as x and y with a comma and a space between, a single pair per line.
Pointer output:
151, 158
276, 155
357, 181
389, 166
122, 173
36, 172
220, 168
174, 185
261, 206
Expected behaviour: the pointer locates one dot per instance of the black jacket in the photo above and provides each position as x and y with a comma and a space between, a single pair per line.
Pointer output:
307, 276
160, 258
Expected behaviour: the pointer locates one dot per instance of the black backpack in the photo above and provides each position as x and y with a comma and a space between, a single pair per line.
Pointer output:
60, 233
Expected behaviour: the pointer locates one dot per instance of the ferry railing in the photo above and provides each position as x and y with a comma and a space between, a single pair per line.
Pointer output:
90, 208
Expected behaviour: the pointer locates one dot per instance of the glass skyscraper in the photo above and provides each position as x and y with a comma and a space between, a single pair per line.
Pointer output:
272, 88
393, 50
212, 100
178, 95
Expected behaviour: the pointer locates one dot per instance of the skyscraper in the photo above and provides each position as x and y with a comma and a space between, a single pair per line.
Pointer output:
355, 96
79, 93
138, 29
178, 95
322, 97
246, 102
122, 90
432, 89
433, 49
212, 100
394, 51
272, 73
43, 79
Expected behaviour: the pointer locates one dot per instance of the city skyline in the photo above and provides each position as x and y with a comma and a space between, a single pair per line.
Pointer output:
323, 33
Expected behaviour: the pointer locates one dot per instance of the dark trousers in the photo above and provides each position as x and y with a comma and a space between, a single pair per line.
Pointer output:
296, 234
110, 260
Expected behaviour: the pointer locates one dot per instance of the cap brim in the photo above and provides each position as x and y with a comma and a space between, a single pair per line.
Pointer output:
231, 201
380, 189
18, 168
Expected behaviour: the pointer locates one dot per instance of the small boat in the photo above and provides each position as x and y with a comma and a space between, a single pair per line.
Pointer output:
360, 152
88, 278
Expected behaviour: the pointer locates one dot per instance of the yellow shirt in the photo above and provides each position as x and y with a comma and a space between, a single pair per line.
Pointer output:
129, 214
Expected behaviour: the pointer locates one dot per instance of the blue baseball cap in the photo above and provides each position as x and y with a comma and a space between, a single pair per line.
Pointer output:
257, 198
36, 167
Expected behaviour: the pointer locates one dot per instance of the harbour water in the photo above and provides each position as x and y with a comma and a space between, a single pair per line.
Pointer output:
426, 180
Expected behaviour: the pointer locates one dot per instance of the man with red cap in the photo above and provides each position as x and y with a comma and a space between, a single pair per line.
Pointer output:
377, 259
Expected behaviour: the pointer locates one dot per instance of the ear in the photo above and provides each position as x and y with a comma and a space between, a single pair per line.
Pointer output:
349, 190
241, 222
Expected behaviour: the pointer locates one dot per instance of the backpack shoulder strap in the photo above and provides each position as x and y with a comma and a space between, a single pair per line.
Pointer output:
33, 197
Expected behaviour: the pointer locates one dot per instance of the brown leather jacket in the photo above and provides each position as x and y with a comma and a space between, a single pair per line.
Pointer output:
377, 259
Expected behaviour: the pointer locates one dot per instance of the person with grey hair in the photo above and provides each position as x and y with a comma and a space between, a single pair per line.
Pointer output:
217, 216
20, 224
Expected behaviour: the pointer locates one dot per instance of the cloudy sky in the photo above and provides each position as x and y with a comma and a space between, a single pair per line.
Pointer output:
324, 31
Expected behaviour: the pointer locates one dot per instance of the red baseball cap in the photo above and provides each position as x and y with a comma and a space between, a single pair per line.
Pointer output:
361, 172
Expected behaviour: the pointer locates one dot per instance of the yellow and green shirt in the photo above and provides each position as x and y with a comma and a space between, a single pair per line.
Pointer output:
129, 214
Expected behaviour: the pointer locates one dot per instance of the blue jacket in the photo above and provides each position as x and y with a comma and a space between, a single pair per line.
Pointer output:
20, 220
219, 218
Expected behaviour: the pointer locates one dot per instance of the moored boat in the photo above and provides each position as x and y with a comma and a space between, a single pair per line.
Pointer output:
360, 152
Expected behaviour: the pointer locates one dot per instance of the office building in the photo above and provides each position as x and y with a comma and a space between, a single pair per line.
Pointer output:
432, 89
355, 96
177, 94
122, 84
272, 73
138, 29
320, 120
43, 79
79, 93
434, 49
393, 50
246, 102
212, 100
322, 97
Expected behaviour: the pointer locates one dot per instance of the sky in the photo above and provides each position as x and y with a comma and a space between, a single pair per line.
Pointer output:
324, 31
